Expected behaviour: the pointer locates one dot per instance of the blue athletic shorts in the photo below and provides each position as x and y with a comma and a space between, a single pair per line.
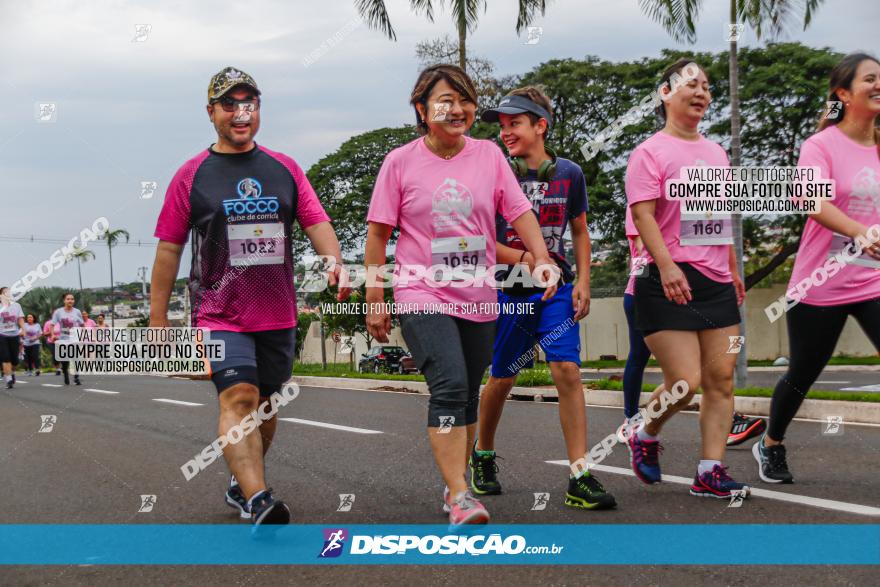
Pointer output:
551, 324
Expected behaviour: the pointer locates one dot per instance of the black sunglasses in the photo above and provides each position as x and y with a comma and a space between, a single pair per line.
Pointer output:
231, 104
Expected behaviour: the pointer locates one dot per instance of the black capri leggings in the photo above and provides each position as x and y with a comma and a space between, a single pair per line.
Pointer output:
453, 354
813, 332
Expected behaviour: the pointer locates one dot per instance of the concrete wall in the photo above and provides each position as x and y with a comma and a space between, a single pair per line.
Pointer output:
605, 332
311, 351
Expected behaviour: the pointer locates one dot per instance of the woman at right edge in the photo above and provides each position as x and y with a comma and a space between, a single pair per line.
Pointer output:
847, 150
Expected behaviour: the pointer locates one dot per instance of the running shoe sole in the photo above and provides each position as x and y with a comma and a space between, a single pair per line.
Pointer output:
244, 514
577, 502
479, 517
271, 520
754, 430
709, 493
756, 452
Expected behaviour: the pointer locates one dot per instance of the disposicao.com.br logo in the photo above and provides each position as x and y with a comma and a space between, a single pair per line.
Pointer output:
429, 544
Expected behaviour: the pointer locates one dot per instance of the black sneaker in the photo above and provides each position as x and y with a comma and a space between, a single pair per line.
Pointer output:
76, 380
266, 512
586, 492
57, 372
236, 499
484, 470
772, 467
744, 428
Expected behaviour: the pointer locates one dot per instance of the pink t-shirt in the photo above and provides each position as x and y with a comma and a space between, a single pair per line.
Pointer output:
856, 171
89, 323
439, 203
651, 164
49, 331
238, 209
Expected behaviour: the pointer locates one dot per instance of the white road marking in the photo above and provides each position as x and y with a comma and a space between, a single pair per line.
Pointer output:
834, 382
175, 401
50, 385
697, 413
828, 504
102, 391
863, 388
331, 426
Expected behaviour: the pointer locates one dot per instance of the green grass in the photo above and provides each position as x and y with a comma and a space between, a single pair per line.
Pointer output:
752, 392
540, 376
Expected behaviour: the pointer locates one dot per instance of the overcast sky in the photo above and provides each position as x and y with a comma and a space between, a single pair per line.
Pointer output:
130, 108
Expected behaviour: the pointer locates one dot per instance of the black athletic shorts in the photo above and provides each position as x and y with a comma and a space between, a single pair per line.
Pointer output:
713, 304
9, 349
263, 359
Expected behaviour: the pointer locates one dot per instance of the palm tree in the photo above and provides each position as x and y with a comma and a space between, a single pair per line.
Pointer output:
113, 237
82, 256
465, 14
678, 17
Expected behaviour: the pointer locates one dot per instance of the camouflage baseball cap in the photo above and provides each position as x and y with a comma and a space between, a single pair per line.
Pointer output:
226, 79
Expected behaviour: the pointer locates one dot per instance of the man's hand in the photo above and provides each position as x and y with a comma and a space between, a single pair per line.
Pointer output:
337, 276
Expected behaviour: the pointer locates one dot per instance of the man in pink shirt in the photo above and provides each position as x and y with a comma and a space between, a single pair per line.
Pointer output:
236, 202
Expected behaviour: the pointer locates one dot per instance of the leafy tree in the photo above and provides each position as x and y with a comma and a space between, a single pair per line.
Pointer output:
465, 14
113, 238
344, 181
481, 70
43, 301
81, 255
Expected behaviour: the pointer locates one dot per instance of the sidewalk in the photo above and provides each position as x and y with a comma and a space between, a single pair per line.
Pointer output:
863, 412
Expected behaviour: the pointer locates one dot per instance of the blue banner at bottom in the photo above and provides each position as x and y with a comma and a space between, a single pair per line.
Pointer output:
524, 544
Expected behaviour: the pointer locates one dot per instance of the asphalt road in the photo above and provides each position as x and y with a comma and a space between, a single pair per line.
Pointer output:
107, 449
855, 381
